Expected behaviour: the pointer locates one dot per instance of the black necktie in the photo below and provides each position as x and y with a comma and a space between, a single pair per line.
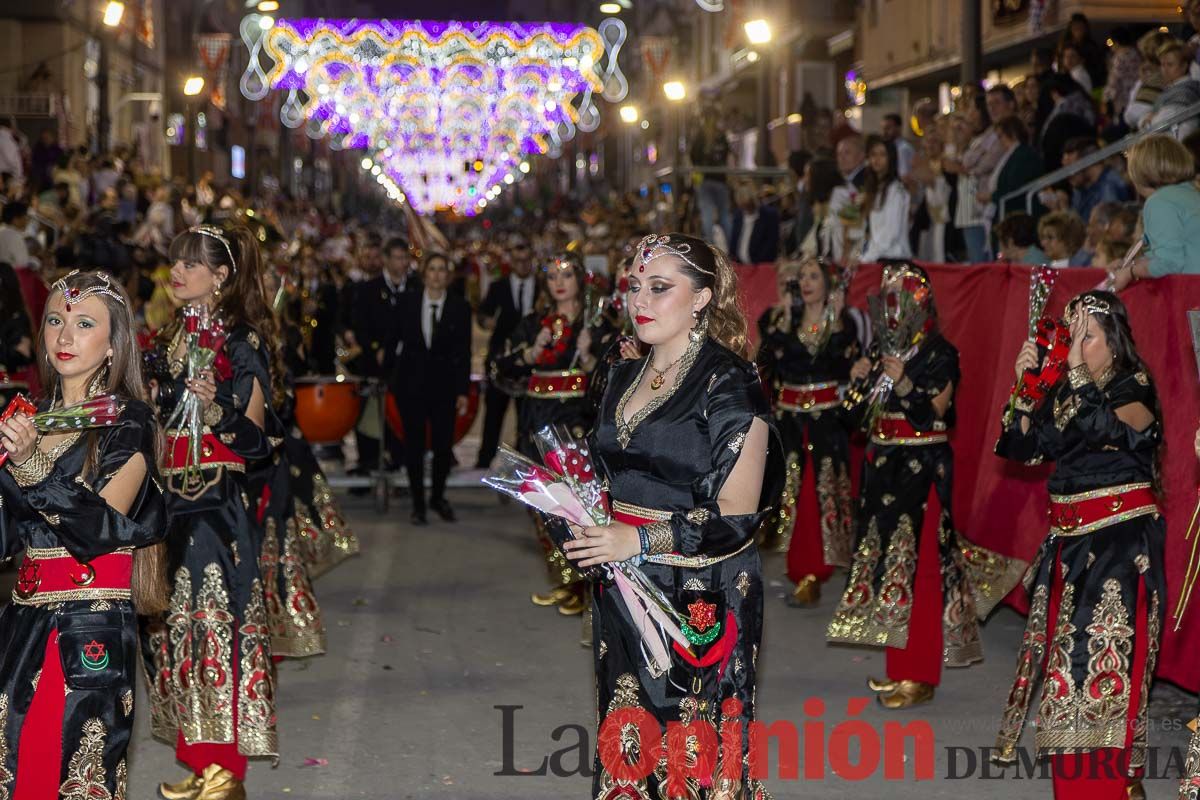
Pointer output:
524, 297
434, 318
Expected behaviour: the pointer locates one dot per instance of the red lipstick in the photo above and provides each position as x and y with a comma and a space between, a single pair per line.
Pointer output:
643, 320
64, 356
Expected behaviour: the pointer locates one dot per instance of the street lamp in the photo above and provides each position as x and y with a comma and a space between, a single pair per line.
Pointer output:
758, 31
267, 6
675, 91
113, 13
192, 86
610, 8
629, 114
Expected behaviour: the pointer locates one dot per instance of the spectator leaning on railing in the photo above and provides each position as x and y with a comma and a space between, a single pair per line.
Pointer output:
1163, 172
1180, 90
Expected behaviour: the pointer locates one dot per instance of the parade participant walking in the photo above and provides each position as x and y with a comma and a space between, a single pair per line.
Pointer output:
685, 442
79, 503
548, 364
807, 345
209, 660
431, 381
1097, 587
914, 587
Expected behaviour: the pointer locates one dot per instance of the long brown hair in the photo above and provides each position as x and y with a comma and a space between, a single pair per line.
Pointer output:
243, 298
121, 377
544, 304
710, 269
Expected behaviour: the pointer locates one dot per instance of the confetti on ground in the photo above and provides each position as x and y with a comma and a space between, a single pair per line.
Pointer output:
385, 639
316, 762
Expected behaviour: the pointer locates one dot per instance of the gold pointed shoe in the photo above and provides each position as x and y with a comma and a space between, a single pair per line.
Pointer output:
1135, 790
572, 606
219, 784
552, 597
876, 685
186, 789
906, 695
807, 593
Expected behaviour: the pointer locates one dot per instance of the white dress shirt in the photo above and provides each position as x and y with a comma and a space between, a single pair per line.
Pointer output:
431, 310
887, 225
522, 292
13, 249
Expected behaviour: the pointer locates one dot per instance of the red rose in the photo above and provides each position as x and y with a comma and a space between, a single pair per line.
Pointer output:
206, 339
554, 461
222, 369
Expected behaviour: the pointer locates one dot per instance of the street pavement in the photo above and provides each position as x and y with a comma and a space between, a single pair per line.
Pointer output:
431, 629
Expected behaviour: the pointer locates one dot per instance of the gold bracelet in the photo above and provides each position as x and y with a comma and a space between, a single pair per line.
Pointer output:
1079, 376
213, 415
662, 538
904, 387
33, 470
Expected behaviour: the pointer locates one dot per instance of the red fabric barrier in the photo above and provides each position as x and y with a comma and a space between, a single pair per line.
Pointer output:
984, 311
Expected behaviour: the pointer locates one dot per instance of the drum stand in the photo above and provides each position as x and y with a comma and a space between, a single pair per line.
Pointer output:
378, 479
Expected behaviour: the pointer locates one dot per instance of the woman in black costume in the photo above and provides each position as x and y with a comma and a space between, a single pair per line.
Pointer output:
211, 677
79, 503
806, 347
1097, 587
548, 364
685, 441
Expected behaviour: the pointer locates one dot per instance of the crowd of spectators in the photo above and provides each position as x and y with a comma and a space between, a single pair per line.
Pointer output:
945, 187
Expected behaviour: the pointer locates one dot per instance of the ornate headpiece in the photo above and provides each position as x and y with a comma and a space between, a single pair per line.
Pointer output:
652, 247
1089, 303
904, 270
77, 296
213, 232
561, 264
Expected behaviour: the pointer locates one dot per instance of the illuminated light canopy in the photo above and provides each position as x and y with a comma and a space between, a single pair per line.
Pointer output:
441, 106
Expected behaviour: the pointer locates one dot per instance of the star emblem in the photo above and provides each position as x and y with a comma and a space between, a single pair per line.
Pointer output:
94, 650
703, 616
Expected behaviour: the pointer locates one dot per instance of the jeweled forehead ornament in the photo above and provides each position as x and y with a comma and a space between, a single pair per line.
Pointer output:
73, 296
561, 265
653, 246
213, 232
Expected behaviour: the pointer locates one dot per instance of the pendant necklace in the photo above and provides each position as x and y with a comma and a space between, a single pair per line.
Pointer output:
658, 380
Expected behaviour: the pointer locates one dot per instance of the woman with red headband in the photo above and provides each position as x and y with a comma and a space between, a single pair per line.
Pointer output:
915, 587
212, 680
548, 363
1097, 587
807, 344
684, 440
79, 503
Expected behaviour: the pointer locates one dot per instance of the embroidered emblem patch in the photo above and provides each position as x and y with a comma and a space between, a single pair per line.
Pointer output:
95, 656
703, 615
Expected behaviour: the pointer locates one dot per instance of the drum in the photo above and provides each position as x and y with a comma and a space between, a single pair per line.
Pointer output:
327, 407
462, 423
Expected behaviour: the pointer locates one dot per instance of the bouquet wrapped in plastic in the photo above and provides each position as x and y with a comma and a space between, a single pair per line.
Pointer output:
99, 412
1052, 337
567, 489
204, 336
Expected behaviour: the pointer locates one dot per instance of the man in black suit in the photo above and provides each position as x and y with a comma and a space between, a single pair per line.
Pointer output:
431, 378
508, 300
377, 318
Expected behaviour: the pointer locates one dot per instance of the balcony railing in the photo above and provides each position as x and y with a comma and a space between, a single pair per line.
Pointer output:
28, 105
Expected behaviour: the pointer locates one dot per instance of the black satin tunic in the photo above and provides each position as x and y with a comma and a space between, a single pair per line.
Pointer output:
64, 512
680, 451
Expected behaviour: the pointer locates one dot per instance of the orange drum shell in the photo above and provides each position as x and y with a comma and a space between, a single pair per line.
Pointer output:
327, 411
462, 423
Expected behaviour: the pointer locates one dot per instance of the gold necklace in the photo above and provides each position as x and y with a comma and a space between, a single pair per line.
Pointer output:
658, 380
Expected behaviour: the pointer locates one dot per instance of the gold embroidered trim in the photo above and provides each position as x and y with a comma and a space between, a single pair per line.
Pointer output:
653, 514
695, 562
35, 553
931, 438
1092, 494
1124, 516
71, 595
1079, 376
904, 387
625, 428
804, 388
232, 466
213, 415
33, 471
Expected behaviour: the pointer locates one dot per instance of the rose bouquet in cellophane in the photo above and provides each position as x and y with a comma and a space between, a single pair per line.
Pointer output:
567, 490
98, 412
204, 338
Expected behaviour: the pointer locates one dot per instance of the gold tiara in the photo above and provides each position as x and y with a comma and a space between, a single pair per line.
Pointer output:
653, 246
77, 296
892, 272
213, 232
1089, 303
